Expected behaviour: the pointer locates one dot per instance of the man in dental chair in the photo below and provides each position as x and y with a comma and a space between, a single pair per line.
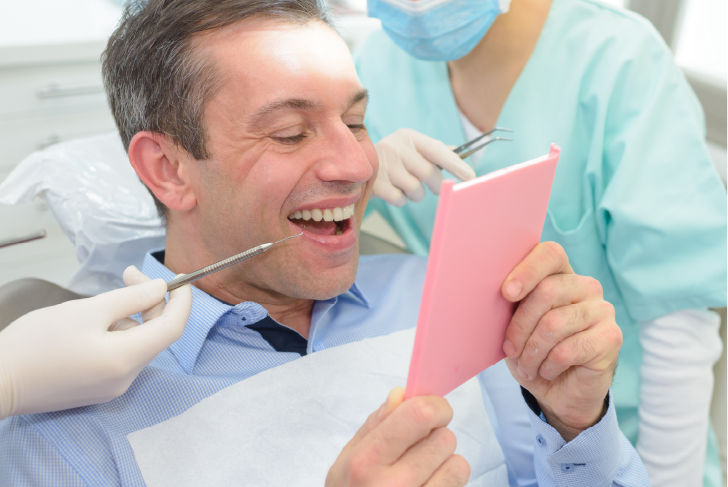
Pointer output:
245, 120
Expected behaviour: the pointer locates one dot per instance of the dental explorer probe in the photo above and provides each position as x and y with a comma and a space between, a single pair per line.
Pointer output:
183, 279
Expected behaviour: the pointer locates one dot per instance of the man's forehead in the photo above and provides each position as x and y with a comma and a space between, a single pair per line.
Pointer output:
270, 66
268, 36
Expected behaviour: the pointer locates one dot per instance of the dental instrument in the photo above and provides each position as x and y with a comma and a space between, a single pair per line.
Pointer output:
183, 279
486, 138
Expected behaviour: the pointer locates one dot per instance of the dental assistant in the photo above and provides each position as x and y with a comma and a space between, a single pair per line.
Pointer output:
636, 201
87, 351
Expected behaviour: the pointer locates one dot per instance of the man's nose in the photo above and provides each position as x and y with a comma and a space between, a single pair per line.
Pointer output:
344, 158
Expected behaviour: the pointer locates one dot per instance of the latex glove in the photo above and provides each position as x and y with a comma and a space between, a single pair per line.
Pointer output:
73, 354
402, 443
408, 160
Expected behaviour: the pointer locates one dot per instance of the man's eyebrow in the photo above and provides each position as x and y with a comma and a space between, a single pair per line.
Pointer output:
359, 96
258, 118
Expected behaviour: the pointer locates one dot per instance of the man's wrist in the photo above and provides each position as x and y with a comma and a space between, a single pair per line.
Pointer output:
567, 431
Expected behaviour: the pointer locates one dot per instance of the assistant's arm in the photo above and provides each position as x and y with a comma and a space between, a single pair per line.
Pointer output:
675, 394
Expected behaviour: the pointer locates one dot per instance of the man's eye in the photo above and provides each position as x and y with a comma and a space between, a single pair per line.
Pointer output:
355, 127
291, 139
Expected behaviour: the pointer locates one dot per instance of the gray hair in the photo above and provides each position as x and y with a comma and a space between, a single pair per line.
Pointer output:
153, 78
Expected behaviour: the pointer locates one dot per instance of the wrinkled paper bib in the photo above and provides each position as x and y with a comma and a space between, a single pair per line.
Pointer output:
287, 425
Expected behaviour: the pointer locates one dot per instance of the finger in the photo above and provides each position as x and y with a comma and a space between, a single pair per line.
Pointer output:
554, 326
394, 399
123, 324
441, 155
544, 259
424, 170
455, 472
552, 292
384, 189
596, 349
412, 421
132, 276
421, 461
434, 181
124, 302
406, 182
147, 340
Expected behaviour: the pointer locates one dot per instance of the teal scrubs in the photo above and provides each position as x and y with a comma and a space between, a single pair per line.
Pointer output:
636, 202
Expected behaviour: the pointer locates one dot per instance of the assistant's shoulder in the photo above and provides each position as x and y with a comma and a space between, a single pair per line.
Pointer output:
593, 25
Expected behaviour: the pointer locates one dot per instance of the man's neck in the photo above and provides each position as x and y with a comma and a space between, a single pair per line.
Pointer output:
224, 285
291, 312
482, 80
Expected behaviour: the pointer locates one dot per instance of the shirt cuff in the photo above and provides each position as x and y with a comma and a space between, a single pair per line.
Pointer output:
592, 458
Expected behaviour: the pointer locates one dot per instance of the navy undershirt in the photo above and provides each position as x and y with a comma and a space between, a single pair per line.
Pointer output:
281, 338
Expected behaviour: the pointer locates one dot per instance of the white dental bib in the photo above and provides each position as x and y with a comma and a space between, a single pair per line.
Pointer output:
287, 425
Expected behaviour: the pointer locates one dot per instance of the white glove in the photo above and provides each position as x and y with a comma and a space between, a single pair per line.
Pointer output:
75, 353
407, 160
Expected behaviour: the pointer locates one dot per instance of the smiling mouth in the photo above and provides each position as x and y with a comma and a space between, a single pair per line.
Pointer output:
324, 221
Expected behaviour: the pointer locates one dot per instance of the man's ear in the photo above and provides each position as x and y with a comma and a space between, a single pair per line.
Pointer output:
157, 162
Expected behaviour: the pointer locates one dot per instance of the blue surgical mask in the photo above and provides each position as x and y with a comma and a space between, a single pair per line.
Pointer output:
437, 30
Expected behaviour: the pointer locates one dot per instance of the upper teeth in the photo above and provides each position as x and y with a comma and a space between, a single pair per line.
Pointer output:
325, 214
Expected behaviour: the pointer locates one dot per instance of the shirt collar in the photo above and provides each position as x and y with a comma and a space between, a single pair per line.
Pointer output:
206, 311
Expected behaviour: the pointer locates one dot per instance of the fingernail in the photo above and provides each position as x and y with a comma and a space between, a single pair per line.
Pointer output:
508, 348
394, 398
513, 288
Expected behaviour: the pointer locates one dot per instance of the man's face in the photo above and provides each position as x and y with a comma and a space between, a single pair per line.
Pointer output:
287, 143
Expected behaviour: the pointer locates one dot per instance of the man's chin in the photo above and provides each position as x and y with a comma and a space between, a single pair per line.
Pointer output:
326, 291
328, 284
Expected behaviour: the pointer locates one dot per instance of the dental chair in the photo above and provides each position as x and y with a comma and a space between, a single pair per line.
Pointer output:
25, 295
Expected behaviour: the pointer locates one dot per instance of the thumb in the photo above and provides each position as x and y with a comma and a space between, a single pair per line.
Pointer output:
124, 302
147, 340
394, 399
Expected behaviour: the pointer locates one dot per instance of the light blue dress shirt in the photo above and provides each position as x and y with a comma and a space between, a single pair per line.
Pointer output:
88, 447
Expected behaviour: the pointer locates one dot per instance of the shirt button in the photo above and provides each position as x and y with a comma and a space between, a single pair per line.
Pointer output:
541, 441
570, 467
